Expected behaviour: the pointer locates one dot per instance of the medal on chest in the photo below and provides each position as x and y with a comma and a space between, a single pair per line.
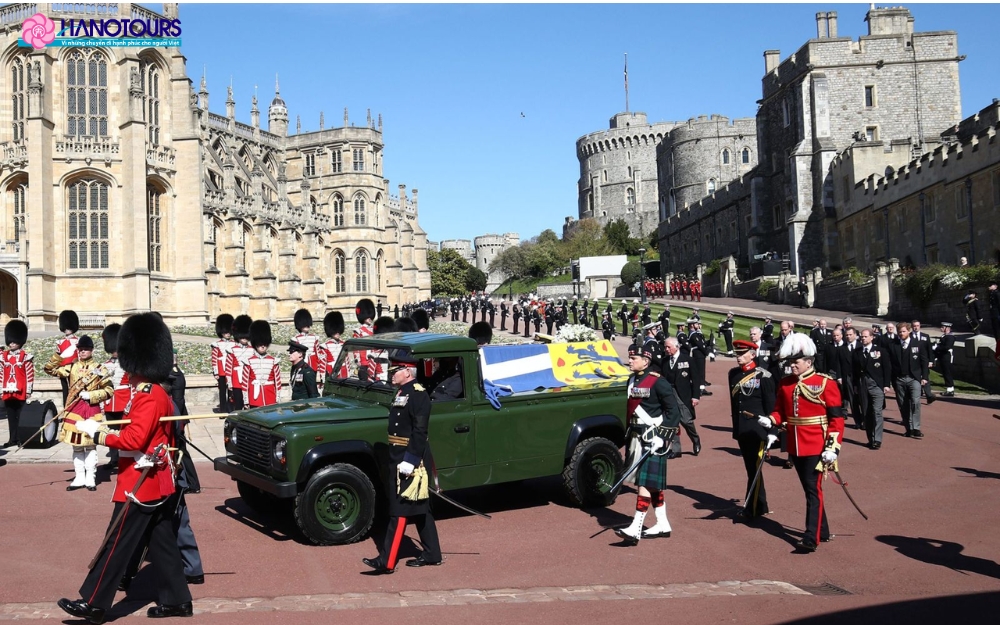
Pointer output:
400, 400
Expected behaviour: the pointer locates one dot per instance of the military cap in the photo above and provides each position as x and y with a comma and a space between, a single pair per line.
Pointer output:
295, 346
69, 321
85, 343
303, 319
109, 336
741, 347
333, 323
260, 333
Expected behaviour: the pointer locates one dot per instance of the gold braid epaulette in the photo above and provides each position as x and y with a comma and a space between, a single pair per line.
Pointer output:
752, 374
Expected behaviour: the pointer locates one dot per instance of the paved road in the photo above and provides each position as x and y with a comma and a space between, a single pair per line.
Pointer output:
931, 537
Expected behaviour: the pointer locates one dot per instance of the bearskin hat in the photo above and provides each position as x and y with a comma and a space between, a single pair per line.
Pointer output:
481, 333
260, 333
333, 323
85, 343
145, 348
241, 327
364, 310
420, 317
303, 319
383, 324
15, 332
223, 325
110, 337
405, 324
69, 321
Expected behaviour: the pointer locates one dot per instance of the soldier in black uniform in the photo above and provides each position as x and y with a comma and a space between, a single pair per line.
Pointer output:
407, 462
550, 316
516, 315
872, 374
682, 338
593, 312
608, 327
536, 318
378, 309
678, 370
529, 314
972, 314
726, 330
646, 317
504, 311
492, 310
465, 310
623, 317
634, 315
944, 353
767, 331
301, 378
993, 296
653, 417
752, 390
664, 320
573, 309
699, 352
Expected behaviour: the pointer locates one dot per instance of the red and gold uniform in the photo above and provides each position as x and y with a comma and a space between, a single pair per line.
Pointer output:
18, 374
362, 357
263, 380
311, 342
329, 352
84, 374
809, 407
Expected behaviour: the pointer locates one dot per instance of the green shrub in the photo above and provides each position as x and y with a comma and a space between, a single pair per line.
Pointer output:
713, 268
764, 287
630, 273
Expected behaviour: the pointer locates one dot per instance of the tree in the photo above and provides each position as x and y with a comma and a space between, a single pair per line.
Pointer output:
620, 239
475, 280
548, 236
448, 272
510, 263
541, 259
630, 273
587, 240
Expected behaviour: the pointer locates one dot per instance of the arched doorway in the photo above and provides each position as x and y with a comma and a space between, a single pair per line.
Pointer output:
8, 296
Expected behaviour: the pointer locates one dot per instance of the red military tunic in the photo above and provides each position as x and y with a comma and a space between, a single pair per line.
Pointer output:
18, 374
66, 347
329, 352
220, 356
149, 402
235, 363
263, 380
310, 341
122, 389
363, 356
810, 408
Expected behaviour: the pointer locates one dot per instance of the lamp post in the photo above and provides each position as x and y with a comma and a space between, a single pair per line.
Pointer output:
642, 274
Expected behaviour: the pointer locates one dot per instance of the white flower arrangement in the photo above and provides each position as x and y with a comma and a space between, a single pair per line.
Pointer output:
575, 333
952, 280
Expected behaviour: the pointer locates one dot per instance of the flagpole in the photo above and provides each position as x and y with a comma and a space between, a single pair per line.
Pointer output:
626, 82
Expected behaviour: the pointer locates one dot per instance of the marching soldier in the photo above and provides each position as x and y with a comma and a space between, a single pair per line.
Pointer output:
301, 378
144, 477
465, 310
329, 350
475, 308
678, 370
407, 463
528, 317
767, 330
69, 325
726, 330
809, 406
220, 356
634, 315
872, 373
653, 417
364, 311
536, 318
18, 369
84, 373
492, 310
699, 353
261, 373
944, 352
238, 357
303, 323
550, 316
593, 312
751, 395
682, 338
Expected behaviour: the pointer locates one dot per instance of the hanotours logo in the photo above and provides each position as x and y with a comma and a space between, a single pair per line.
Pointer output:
39, 31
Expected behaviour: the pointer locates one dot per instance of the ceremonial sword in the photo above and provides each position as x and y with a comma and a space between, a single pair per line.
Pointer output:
753, 484
843, 484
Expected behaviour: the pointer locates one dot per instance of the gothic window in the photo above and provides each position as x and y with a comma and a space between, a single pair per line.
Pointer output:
18, 95
150, 78
336, 160
725, 157
630, 196
154, 217
338, 211
88, 225
786, 118
359, 159
359, 211
711, 186
340, 272
746, 156
361, 273
87, 94
309, 169
20, 193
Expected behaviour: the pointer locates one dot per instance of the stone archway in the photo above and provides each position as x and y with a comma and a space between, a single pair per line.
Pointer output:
8, 297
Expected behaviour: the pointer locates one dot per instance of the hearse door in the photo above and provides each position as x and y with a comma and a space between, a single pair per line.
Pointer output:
452, 432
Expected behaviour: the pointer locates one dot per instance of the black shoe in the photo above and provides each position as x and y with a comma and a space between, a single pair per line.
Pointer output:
419, 562
125, 583
193, 491
697, 448
948, 394
706, 392
82, 609
195, 579
72, 488
931, 399
165, 611
626, 539
805, 546
916, 434
673, 455
909, 434
91, 488
377, 565
11, 444
788, 465
828, 538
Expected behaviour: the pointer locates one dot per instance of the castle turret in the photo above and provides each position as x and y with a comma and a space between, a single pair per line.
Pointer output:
277, 113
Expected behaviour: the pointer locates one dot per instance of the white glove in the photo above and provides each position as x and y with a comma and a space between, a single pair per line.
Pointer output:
143, 462
829, 457
765, 422
88, 426
85, 395
656, 444
771, 440
405, 468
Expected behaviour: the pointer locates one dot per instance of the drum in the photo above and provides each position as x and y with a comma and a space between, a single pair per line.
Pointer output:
33, 416
70, 435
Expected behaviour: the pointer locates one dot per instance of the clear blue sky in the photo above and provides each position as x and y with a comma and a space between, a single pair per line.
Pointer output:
451, 82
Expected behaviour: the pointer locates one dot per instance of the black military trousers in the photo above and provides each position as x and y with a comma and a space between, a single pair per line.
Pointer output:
752, 450
503, 322
426, 529
812, 484
13, 408
516, 321
224, 394
947, 370
237, 400
102, 582
728, 334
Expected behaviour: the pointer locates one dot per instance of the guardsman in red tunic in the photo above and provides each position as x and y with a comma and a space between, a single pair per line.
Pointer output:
238, 355
364, 310
65, 354
220, 357
145, 352
18, 369
261, 372
329, 350
303, 323
809, 406
114, 406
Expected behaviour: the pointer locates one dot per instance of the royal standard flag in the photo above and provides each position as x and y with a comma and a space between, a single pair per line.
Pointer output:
555, 365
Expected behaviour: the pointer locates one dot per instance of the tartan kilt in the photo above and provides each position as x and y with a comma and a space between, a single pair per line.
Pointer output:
653, 473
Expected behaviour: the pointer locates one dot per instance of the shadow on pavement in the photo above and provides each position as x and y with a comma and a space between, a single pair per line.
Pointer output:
978, 473
277, 526
942, 553
975, 608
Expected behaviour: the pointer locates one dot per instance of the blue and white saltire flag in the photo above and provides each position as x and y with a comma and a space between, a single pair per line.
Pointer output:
522, 367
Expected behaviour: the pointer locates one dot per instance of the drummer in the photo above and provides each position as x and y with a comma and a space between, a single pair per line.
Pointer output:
89, 385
